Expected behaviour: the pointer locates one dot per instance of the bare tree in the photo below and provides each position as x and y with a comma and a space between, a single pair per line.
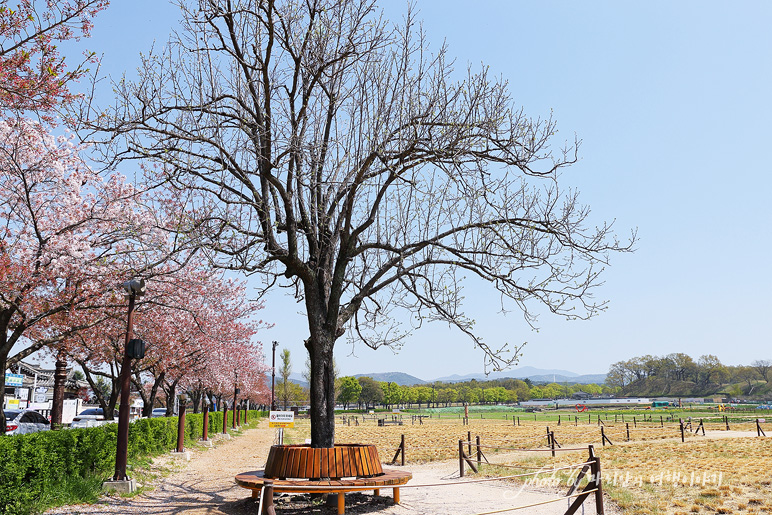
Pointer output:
318, 144
763, 366
286, 369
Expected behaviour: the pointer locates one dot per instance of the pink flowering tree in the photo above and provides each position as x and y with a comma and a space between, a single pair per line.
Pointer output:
33, 75
62, 231
190, 313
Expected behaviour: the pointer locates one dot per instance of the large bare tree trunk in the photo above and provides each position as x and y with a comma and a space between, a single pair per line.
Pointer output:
322, 391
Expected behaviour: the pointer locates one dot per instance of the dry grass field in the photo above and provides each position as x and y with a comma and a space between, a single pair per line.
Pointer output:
653, 473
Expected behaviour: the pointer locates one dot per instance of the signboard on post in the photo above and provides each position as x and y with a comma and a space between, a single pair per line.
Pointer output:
281, 419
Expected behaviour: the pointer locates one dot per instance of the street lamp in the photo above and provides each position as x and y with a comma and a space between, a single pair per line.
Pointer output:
134, 288
273, 375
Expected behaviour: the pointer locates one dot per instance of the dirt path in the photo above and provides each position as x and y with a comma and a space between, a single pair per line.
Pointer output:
205, 485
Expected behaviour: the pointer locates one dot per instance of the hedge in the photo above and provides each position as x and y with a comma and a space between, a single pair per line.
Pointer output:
32, 464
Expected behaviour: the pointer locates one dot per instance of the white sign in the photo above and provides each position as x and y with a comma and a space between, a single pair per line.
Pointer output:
395, 411
69, 410
40, 397
22, 394
41, 389
762, 420
281, 419
13, 379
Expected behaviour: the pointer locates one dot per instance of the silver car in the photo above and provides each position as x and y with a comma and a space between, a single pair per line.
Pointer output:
92, 417
24, 421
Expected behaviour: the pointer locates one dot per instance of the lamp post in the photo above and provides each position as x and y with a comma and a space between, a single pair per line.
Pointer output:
134, 288
273, 375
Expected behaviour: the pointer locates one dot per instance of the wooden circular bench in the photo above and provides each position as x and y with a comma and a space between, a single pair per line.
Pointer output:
256, 480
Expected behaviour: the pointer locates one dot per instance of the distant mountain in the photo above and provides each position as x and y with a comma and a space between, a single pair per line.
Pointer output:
294, 378
400, 378
518, 373
557, 378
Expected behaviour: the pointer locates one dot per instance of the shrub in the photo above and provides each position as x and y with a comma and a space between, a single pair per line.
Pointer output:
34, 466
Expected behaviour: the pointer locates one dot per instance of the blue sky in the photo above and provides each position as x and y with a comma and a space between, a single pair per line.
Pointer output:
672, 103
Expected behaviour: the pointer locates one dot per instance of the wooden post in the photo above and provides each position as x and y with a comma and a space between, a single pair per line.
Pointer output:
558, 419
402, 446
726, 421
661, 422
552, 442
479, 451
602, 436
635, 423
181, 428
461, 458
518, 421
225, 419
599, 485
549, 440
759, 431
681, 422
206, 423
469, 440
628, 430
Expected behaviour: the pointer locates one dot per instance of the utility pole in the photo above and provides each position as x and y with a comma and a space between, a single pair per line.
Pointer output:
273, 375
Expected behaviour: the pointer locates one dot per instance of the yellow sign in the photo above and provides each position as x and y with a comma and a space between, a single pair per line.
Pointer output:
281, 419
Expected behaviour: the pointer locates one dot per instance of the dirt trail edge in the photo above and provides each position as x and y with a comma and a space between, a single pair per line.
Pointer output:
205, 485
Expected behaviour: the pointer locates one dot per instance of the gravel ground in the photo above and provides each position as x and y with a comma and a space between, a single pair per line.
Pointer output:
205, 485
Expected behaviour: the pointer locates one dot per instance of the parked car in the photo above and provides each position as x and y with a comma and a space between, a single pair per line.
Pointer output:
158, 412
92, 417
24, 421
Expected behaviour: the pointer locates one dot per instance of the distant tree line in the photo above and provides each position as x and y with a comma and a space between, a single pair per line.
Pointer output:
366, 393
679, 374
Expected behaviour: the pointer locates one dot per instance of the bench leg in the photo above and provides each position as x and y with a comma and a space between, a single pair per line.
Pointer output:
396, 496
341, 503
268, 508
376, 492
255, 493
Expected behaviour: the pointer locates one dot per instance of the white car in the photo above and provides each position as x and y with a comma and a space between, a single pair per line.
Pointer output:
158, 412
92, 417
23, 421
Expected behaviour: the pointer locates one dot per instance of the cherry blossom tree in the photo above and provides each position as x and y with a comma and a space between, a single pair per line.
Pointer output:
33, 75
189, 315
61, 228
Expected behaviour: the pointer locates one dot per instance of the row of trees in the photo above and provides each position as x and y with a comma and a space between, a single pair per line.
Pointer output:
69, 236
367, 392
705, 375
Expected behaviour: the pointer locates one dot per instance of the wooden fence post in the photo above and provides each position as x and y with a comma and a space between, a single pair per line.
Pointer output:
461, 458
627, 424
469, 441
598, 486
552, 442
479, 451
681, 422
